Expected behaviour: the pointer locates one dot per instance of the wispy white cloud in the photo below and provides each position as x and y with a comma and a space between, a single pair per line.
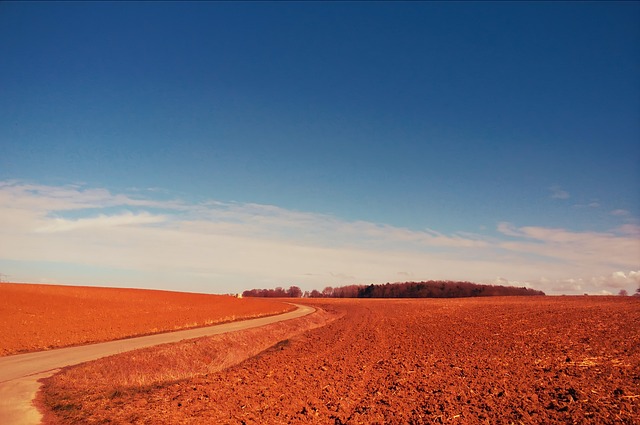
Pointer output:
101, 221
558, 193
592, 204
613, 249
42, 198
629, 230
620, 213
225, 246
609, 284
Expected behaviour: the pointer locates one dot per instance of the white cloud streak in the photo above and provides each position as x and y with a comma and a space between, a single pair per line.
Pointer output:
614, 250
218, 246
558, 193
101, 221
620, 213
600, 285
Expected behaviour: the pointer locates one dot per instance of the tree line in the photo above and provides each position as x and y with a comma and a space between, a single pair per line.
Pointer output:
427, 289
292, 292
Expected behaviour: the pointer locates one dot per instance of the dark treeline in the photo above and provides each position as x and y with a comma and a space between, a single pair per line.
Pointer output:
429, 289
292, 292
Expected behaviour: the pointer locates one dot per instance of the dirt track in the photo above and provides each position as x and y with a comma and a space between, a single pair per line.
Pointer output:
508, 360
19, 374
41, 317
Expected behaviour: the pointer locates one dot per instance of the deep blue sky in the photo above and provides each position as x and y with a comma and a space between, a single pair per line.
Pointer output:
445, 116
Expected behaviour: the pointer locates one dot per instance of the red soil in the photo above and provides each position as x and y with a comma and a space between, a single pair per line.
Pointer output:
493, 360
41, 317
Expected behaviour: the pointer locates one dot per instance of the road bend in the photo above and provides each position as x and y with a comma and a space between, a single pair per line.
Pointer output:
19, 374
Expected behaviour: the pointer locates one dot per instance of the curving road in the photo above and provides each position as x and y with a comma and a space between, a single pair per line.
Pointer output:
19, 374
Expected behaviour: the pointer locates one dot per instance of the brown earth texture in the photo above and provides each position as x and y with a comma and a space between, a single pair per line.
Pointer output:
41, 317
515, 360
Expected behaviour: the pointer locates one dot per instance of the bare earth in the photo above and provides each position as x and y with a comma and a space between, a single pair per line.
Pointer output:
552, 360
20, 374
41, 317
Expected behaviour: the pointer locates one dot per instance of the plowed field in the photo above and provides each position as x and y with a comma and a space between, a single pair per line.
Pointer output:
41, 317
551, 360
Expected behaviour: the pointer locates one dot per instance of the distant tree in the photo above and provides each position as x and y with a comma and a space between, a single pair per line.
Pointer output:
623, 293
267, 293
350, 291
294, 292
315, 294
637, 294
327, 292
249, 293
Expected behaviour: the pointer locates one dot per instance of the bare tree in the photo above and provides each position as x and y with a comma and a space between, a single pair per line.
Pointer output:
294, 292
623, 293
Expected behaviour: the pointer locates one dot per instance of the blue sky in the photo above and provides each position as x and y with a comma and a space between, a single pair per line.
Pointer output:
216, 147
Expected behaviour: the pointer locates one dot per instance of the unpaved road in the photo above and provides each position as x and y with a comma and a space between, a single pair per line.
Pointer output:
19, 374
520, 360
